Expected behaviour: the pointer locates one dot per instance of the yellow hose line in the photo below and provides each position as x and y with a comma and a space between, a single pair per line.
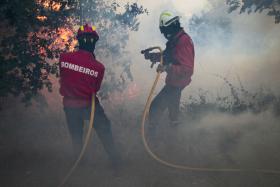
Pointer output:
177, 166
84, 145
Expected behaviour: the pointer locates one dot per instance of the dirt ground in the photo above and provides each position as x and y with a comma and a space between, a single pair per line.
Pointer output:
34, 151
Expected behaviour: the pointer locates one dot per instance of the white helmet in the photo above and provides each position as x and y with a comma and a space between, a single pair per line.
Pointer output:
166, 18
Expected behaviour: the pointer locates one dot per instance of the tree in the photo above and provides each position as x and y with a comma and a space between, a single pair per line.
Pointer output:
35, 32
272, 6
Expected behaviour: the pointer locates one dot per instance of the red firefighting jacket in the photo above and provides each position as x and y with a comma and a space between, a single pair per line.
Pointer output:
180, 54
80, 77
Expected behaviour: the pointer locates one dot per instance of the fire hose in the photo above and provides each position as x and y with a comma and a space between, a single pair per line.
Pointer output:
147, 148
84, 145
178, 166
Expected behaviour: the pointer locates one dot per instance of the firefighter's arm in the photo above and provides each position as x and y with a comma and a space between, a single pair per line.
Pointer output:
58, 73
61, 59
162, 68
59, 65
100, 79
165, 65
184, 60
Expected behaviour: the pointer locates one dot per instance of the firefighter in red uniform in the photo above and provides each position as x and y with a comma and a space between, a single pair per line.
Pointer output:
80, 77
178, 63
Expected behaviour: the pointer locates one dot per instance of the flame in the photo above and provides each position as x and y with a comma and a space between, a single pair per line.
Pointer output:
42, 18
60, 38
56, 6
64, 37
49, 4
65, 34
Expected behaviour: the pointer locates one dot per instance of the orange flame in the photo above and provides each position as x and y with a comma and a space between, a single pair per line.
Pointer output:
42, 18
49, 4
64, 36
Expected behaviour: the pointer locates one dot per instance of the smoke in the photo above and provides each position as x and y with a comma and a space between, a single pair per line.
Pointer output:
231, 45
246, 140
242, 49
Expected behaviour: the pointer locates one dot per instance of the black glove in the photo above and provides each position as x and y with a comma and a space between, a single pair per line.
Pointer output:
163, 68
153, 57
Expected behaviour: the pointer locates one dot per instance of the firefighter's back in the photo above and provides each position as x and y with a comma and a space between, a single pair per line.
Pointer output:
81, 75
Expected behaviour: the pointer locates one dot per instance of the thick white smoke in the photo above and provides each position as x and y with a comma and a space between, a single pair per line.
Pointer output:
251, 52
248, 52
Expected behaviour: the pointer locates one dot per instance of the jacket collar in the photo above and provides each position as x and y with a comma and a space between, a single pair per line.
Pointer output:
89, 54
175, 38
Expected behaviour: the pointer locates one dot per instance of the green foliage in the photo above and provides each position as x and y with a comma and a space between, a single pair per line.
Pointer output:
31, 39
272, 7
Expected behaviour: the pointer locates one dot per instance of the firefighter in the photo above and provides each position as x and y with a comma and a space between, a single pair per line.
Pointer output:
178, 63
80, 77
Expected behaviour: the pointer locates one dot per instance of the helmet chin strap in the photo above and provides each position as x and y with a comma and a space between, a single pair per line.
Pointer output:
168, 35
171, 33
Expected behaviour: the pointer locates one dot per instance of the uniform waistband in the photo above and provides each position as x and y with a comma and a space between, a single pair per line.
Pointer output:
76, 102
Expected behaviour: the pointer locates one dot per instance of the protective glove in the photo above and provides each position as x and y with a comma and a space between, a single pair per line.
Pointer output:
162, 68
153, 57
